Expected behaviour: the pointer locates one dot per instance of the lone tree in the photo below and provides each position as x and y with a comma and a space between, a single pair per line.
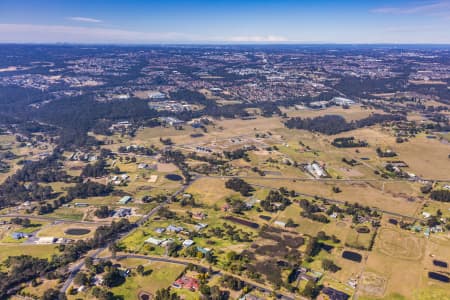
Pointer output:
329, 265
140, 269
113, 248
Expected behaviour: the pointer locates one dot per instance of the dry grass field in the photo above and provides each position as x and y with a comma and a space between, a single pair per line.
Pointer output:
402, 245
42, 251
210, 191
355, 112
397, 267
161, 276
59, 231
427, 158
364, 193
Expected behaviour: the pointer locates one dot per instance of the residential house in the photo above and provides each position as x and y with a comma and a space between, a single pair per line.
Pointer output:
125, 200
188, 243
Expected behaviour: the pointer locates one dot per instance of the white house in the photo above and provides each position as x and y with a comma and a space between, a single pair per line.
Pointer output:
188, 243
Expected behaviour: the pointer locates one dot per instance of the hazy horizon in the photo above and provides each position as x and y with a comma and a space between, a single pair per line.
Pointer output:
226, 22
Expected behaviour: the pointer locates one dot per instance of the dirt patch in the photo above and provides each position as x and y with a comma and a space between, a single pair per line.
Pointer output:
400, 245
373, 284
348, 172
261, 152
166, 167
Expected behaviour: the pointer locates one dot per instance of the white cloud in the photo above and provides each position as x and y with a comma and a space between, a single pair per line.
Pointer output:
441, 8
84, 19
23, 33
32, 33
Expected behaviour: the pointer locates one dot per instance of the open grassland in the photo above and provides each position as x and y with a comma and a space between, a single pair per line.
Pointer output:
59, 231
151, 136
39, 290
416, 152
427, 158
399, 244
432, 207
364, 193
398, 266
186, 294
70, 213
304, 146
161, 276
135, 242
349, 269
340, 228
139, 184
210, 191
355, 112
214, 216
42, 251
358, 240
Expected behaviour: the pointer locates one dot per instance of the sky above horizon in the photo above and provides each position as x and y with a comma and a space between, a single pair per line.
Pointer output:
219, 21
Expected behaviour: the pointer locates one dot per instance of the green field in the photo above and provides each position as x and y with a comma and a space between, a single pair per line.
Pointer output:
161, 276
42, 251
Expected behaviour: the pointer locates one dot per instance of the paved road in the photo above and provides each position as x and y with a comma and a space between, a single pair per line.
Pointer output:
319, 179
185, 262
322, 179
76, 268
343, 202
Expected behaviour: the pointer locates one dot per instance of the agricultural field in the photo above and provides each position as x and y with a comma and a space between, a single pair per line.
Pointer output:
160, 275
365, 193
41, 251
401, 257
69, 231
210, 191
355, 112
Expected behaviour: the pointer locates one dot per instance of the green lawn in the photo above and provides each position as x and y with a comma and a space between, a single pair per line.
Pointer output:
356, 240
42, 251
67, 213
162, 275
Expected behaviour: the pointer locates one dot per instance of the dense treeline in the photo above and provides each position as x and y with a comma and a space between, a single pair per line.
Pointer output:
21, 269
76, 116
45, 170
71, 118
275, 201
4, 167
360, 87
440, 195
348, 142
88, 189
334, 124
22, 98
13, 192
178, 158
312, 211
103, 212
137, 150
239, 153
98, 169
239, 185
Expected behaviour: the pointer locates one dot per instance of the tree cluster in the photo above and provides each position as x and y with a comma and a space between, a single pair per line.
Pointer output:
239, 185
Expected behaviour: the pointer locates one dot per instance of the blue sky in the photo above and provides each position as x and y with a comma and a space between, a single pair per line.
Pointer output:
220, 21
